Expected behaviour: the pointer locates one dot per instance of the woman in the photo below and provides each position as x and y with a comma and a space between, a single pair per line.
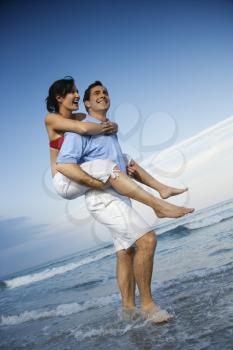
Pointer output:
62, 101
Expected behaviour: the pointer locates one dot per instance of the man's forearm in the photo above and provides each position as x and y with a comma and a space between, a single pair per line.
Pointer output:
75, 173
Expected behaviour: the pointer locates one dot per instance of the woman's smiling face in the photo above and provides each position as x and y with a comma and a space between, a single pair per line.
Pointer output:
71, 100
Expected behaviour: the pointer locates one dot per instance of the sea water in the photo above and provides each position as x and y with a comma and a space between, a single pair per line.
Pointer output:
74, 303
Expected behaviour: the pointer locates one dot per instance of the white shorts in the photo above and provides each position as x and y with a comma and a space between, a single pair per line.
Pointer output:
100, 169
116, 213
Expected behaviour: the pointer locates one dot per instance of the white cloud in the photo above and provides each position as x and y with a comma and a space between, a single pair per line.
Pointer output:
204, 162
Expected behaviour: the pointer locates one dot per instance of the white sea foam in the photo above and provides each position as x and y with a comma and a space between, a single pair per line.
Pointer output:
81, 335
49, 273
60, 311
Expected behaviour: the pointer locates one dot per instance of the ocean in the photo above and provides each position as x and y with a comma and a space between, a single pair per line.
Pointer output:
74, 302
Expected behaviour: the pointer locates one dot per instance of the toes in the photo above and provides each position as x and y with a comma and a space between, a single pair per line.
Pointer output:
161, 316
156, 315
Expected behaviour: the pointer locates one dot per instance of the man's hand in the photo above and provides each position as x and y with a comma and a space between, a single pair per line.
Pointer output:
75, 173
101, 185
132, 172
109, 128
104, 186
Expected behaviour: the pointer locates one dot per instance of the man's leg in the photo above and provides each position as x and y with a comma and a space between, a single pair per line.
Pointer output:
143, 268
125, 224
125, 277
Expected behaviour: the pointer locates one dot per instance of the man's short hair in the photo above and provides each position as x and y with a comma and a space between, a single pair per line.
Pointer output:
87, 92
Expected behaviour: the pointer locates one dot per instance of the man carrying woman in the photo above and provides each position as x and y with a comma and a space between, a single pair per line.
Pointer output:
97, 162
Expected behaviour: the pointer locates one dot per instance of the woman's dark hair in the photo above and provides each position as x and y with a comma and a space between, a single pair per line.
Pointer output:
87, 92
59, 88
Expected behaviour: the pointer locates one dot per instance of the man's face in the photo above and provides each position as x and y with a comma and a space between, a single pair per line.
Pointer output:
99, 99
71, 100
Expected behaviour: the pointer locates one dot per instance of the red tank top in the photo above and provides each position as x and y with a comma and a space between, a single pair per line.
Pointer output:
57, 143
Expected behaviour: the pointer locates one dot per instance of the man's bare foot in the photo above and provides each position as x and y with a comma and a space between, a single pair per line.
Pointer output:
129, 314
167, 210
168, 191
154, 314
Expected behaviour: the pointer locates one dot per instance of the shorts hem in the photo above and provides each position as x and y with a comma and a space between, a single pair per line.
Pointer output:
127, 245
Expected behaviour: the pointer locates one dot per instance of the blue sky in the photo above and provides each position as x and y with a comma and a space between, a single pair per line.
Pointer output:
168, 67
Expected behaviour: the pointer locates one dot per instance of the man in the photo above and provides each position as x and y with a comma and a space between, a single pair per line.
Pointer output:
133, 238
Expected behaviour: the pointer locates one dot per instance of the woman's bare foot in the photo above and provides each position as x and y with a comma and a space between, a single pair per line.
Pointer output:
154, 314
167, 210
168, 191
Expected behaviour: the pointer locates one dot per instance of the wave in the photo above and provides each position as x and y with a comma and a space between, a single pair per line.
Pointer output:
195, 276
89, 284
209, 221
203, 218
49, 273
3, 284
60, 311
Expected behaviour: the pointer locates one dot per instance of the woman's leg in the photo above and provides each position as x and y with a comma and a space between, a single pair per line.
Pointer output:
108, 172
127, 187
141, 175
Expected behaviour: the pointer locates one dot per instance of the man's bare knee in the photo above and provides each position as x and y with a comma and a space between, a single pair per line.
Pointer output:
126, 254
147, 242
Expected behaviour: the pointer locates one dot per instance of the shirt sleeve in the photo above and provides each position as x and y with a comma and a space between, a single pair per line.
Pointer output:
72, 149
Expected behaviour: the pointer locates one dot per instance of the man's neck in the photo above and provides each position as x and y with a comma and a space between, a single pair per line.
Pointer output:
100, 115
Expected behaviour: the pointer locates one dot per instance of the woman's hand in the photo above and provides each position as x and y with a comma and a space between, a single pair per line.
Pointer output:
109, 128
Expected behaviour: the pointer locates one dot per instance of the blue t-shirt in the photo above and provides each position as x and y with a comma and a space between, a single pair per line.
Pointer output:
77, 149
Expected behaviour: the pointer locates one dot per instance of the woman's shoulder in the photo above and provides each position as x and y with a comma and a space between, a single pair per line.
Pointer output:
49, 118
